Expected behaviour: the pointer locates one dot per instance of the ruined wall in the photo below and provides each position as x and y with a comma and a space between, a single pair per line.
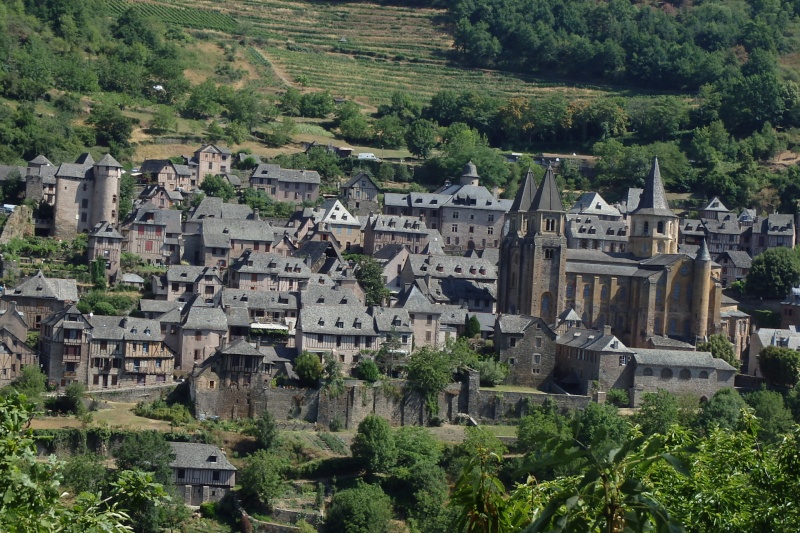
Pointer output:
18, 225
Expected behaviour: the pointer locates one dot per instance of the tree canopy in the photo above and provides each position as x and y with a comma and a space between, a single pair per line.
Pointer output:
773, 273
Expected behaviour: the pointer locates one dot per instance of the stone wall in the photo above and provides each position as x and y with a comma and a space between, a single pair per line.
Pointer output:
18, 225
496, 405
133, 394
243, 402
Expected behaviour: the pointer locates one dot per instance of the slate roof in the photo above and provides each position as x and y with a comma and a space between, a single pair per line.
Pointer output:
272, 300
199, 317
72, 170
594, 340
632, 199
125, 328
591, 227
775, 224
739, 259
388, 252
337, 320
187, 273
660, 341
213, 207
275, 172
702, 254
414, 301
722, 227
694, 227
389, 318
108, 161
269, 263
779, 337
153, 189
215, 148
444, 266
197, 456
105, 230
525, 193
716, 205
39, 286
327, 295
158, 306
547, 197
148, 213
514, 324
591, 203
218, 233
358, 177
398, 224
425, 200
40, 160
654, 199
675, 358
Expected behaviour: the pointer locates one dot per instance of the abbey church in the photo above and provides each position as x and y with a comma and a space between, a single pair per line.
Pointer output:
645, 294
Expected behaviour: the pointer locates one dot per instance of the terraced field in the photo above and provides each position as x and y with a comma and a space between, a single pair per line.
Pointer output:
360, 51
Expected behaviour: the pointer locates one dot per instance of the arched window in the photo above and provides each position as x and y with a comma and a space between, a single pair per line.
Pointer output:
676, 292
648, 371
604, 292
550, 224
673, 326
684, 374
703, 374
666, 373
661, 247
586, 290
545, 304
646, 228
570, 290
689, 288
660, 227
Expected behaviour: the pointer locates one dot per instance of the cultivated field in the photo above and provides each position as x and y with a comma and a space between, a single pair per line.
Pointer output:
361, 51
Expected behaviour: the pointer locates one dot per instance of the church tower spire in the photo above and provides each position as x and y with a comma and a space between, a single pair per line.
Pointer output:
518, 214
654, 227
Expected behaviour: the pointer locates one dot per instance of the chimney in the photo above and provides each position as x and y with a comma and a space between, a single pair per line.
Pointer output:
256, 215
606, 330
496, 192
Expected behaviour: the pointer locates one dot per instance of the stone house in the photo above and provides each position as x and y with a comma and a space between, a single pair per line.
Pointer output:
764, 337
268, 311
332, 221
201, 472
203, 329
269, 272
87, 193
212, 207
14, 353
431, 324
790, 309
360, 194
461, 281
105, 243
591, 204
467, 215
40, 180
736, 326
104, 351
339, 330
161, 197
210, 159
392, 258
735, 266
39, 297
386, 230
528, 345
169, 176
584, 356
221, 242
181, 283
286, 185
154, 234
768, 232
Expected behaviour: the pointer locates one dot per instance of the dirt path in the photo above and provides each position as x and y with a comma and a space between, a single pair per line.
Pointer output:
279, 72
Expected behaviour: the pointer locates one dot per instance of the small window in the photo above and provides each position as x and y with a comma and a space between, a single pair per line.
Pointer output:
181, 473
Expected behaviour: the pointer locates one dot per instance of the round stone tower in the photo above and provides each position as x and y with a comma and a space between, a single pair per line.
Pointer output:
701, 297
105, 199
470, 175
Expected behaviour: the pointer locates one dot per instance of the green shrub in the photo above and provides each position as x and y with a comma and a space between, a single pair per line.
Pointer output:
368, 370
334, 443
160, 410
618, 397
208, 509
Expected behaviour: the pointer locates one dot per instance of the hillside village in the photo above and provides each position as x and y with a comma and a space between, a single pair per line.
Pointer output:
619, 282
573, 304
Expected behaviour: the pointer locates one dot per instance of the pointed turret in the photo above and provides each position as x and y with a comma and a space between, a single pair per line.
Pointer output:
108, 161
703, 254
525, 193
470, 174
654, 199
547, 197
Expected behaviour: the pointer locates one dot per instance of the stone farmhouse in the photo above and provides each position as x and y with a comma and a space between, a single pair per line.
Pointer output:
285, 185
39, 297
154, 234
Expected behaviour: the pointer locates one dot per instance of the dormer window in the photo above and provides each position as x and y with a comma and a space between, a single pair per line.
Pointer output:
357, 324
483, 270
339, 324
472, 270
396, 321
321, 322
439, 268
458, 269
321, 300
